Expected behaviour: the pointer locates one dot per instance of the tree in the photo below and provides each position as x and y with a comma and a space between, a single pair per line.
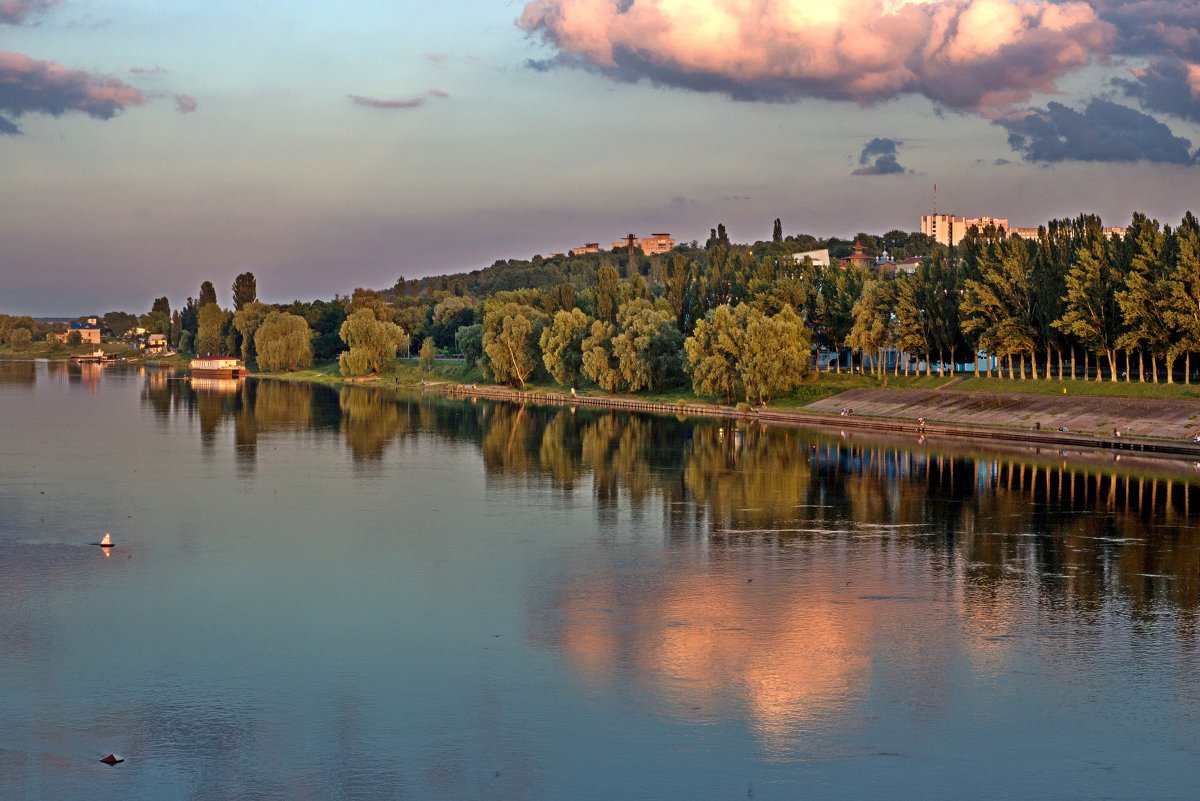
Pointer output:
246, 321
73, 338
19, 338
712, 353
211, 320
119, 322
872, 329
676, 289
427, 353
913, 325
598, 363
208, 294
469, 341
372, 301
450, 314
777, 232
999, 306
742, 350
245, 290
648, 347
185, 341
1090, 312
510, 340
282, 341
562, 346
607, 287
372, 343
1183, 311
1146, 294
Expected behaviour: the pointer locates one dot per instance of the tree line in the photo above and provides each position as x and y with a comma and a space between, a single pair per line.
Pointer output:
745, 321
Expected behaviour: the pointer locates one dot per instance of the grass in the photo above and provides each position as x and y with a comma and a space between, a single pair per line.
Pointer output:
1090, 389
61, 352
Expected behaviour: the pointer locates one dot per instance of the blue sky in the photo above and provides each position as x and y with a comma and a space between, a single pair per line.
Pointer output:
470, 154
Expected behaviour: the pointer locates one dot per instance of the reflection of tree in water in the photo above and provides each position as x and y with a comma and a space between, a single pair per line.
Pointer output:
370, 421
22, 373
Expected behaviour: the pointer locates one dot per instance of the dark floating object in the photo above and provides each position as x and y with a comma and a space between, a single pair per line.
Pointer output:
112, 759
106, 541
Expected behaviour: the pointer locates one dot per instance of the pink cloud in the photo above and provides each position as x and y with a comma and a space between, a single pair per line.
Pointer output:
185, 104
45, 87
959, 53
413, 102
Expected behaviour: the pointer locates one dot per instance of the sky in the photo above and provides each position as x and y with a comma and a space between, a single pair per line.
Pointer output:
148, 145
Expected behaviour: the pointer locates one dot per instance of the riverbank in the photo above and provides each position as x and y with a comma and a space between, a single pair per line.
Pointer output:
1147, 425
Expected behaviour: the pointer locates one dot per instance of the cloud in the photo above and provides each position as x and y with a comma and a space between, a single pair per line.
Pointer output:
962, 54
1168, 85
147, 71
1104, 131
13, 12
44, 87
413, 102
185, 104
879, 157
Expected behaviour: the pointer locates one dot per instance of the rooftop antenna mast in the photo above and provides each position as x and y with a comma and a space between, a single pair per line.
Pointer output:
935, 199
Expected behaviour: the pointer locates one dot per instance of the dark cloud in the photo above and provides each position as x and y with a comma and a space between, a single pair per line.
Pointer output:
1104, 131
1167, 85
148, 71
879, 157
412, 102
185, 104
1153, 27
13, 12
29, 86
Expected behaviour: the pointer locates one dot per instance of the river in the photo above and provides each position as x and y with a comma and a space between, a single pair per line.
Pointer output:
328, 594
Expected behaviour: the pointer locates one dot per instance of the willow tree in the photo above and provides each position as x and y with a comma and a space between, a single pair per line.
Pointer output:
246, 321
912, 325
597, 361
711, 354
742, 350
283, 341
372, 343
1090, 312
510, 340
648, 346
562, 346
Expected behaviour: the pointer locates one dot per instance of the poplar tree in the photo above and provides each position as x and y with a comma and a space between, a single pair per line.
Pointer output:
1090, 312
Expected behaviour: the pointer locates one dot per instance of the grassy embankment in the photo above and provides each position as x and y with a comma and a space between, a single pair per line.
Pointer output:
409, 373
60, 352
1091, 389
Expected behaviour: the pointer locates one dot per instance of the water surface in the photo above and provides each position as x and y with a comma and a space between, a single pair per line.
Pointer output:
351, 594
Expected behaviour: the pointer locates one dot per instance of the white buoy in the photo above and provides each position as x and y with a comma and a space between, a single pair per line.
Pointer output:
106, 542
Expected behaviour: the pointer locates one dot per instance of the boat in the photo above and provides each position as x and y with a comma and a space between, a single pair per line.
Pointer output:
97, 356
217, 367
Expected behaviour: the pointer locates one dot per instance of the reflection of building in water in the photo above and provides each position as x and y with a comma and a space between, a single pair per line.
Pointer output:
230, 386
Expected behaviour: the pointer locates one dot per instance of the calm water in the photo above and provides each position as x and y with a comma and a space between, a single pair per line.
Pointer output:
324, 595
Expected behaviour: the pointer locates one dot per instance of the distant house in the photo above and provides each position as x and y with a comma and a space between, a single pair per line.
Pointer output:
88, 328
590, 247
908, 265
156, 344
819, 258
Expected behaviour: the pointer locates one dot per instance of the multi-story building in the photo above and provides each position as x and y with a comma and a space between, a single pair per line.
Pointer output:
651, 245
590, 247
948, 229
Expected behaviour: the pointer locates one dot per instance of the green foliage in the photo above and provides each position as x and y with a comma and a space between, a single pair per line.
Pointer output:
245, 290
607, 287
510, 340
872, 329
19, 338
246, 322
119, 322
428, 353
598, 363
211, 320
741, 350
185, 342
562, 346
1090, 312
648, 347
282, 341
449, 315
469, 341
208, 294
372, 342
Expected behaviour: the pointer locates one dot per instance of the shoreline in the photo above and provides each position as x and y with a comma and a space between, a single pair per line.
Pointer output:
808, 419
